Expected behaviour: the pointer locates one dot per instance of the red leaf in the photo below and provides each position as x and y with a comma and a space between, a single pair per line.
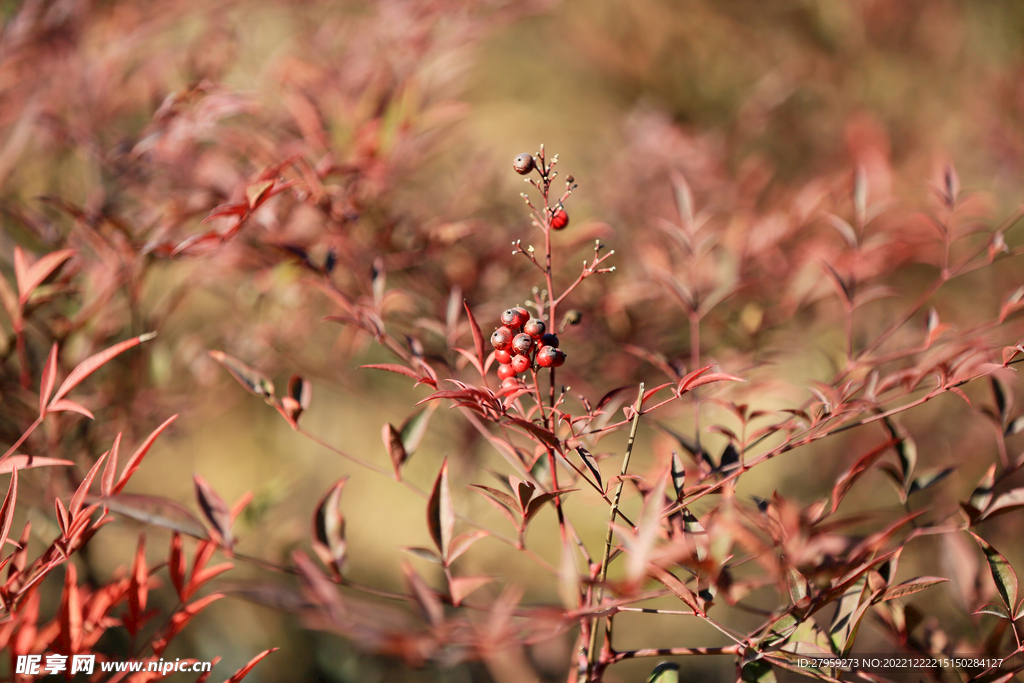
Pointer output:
110, 470
26, 462
423, 595
252, 379
136, 459
478, 337
462, 586
176, 566
329, 529
65, 405
239, 505
32, 276
215, 510
94, 362
48, 379
697, 378
244, 671
391, 367
71, 612
157, 511
138, 588
63, 520
83, 488
396, 449
440, 513
7, 511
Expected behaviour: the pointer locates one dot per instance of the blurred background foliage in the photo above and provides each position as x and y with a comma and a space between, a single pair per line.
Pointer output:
122, 124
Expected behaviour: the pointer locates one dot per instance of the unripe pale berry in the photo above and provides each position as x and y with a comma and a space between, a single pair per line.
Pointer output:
520, 364
535, 328
522, 344
505, 371
503, 356
523, 164
512, 319
559, 220
550, 357
501, 338
549, 339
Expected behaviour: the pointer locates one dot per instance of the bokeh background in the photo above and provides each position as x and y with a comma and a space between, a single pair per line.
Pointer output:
122, 124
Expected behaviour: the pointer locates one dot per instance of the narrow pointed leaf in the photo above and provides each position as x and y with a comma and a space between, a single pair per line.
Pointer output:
214, 509
591, 463
396, 450
48, 379
83, 488
244, 671
136, 459
982, 495
440, 513
462, 586
415, 428
424, 596
27, 462
154, 510
7, 511
1004, 502
504, 503
912, 586
537, 503
478, 337
66, 406
678, 475
666, 672
110, 469
250, 378
32, 276
329, 529
96, 361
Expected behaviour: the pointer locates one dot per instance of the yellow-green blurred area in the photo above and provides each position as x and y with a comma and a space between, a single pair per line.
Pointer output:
124, 124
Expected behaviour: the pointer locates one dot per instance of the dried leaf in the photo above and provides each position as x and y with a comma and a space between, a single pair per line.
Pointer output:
250, 378
440, 513
95, 362
215, 510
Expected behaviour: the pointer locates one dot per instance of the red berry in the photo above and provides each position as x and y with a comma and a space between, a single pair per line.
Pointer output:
506, 371
501, 338
523, 164
524, 315
510, 383
549, 340
550, 357
559, 219
503, 356
512, 318
520, 364
535, 328
522, 344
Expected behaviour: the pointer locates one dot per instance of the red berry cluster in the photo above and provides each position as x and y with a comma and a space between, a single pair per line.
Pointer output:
522, 341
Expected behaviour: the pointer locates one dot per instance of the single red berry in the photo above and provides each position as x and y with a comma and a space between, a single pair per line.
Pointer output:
512, 318
523, 164
520, 364
505, 371
524, 315
510, 383
549, 339
559, 219
522, 344
550, 357
503, 356
501, 338
535, 328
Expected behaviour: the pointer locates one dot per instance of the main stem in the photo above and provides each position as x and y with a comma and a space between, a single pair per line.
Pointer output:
599, 592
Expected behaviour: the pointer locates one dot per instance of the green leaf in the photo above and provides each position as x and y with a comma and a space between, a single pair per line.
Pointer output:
1002, 572
666, 672
993, 608
250, 378
415, 427
758, 671
929, 479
